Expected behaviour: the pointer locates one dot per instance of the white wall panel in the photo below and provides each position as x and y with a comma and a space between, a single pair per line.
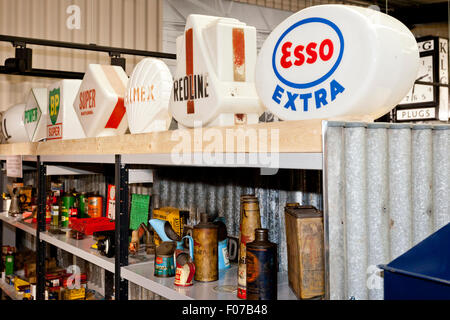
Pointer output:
175, 12
130, 24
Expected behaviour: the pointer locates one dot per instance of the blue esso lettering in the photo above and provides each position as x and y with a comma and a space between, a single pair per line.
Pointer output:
315, 94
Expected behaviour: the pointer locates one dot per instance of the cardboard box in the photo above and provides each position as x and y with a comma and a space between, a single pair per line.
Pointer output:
176, 217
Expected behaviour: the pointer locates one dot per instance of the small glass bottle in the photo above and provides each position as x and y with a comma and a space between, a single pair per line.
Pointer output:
55, 216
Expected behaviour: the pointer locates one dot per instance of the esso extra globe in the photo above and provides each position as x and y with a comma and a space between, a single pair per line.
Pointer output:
336, 61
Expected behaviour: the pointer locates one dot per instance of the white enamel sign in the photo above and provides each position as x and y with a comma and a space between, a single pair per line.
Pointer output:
35, 116
14, 166
99, 103
336, 61
214, 82
416, 114
147, 97
62, 121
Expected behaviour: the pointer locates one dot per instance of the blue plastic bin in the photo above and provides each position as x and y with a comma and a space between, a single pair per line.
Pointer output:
423, 272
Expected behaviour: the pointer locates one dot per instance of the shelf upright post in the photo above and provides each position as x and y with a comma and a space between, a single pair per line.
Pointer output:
122, 227
1, 235
40, 245
109, 276
2, 189
109, 285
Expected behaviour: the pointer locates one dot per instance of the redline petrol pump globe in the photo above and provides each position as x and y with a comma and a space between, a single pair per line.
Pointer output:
336, 61
214, 81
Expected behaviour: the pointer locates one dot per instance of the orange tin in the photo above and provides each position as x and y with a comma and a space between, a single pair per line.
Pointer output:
95, 209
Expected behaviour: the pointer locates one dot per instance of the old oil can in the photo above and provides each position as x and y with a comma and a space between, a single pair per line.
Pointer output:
250, 221
262, 267
95, 206
67, 203
205, 250
164, 259
305, 247
82, 204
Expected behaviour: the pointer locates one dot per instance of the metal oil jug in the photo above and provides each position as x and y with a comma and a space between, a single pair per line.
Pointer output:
205, 250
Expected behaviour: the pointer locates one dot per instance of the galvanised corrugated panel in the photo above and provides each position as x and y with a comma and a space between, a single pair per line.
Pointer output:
217, 191
387, 188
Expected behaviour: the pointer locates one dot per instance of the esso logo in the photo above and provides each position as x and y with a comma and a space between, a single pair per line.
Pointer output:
296, 56
308, 53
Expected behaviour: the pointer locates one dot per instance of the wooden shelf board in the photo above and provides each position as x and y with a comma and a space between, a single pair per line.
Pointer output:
289, 138
15, 149
294, 137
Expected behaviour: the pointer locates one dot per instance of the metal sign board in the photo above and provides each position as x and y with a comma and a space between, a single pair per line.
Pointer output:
416, 114
14, 166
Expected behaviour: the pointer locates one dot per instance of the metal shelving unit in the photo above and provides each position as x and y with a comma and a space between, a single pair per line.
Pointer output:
121, 268
142, 275
301, 148
15, 222
7, 289
80, 248
10, 291
129, 268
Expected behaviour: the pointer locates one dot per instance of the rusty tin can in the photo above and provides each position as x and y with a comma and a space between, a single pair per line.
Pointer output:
95, 209
292, 205
243, 198
185, 271
164, 259
205, 250
262, 265
305, 248
250, 220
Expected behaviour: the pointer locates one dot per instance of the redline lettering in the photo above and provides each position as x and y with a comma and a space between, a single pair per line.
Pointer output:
191, 87
325, 52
